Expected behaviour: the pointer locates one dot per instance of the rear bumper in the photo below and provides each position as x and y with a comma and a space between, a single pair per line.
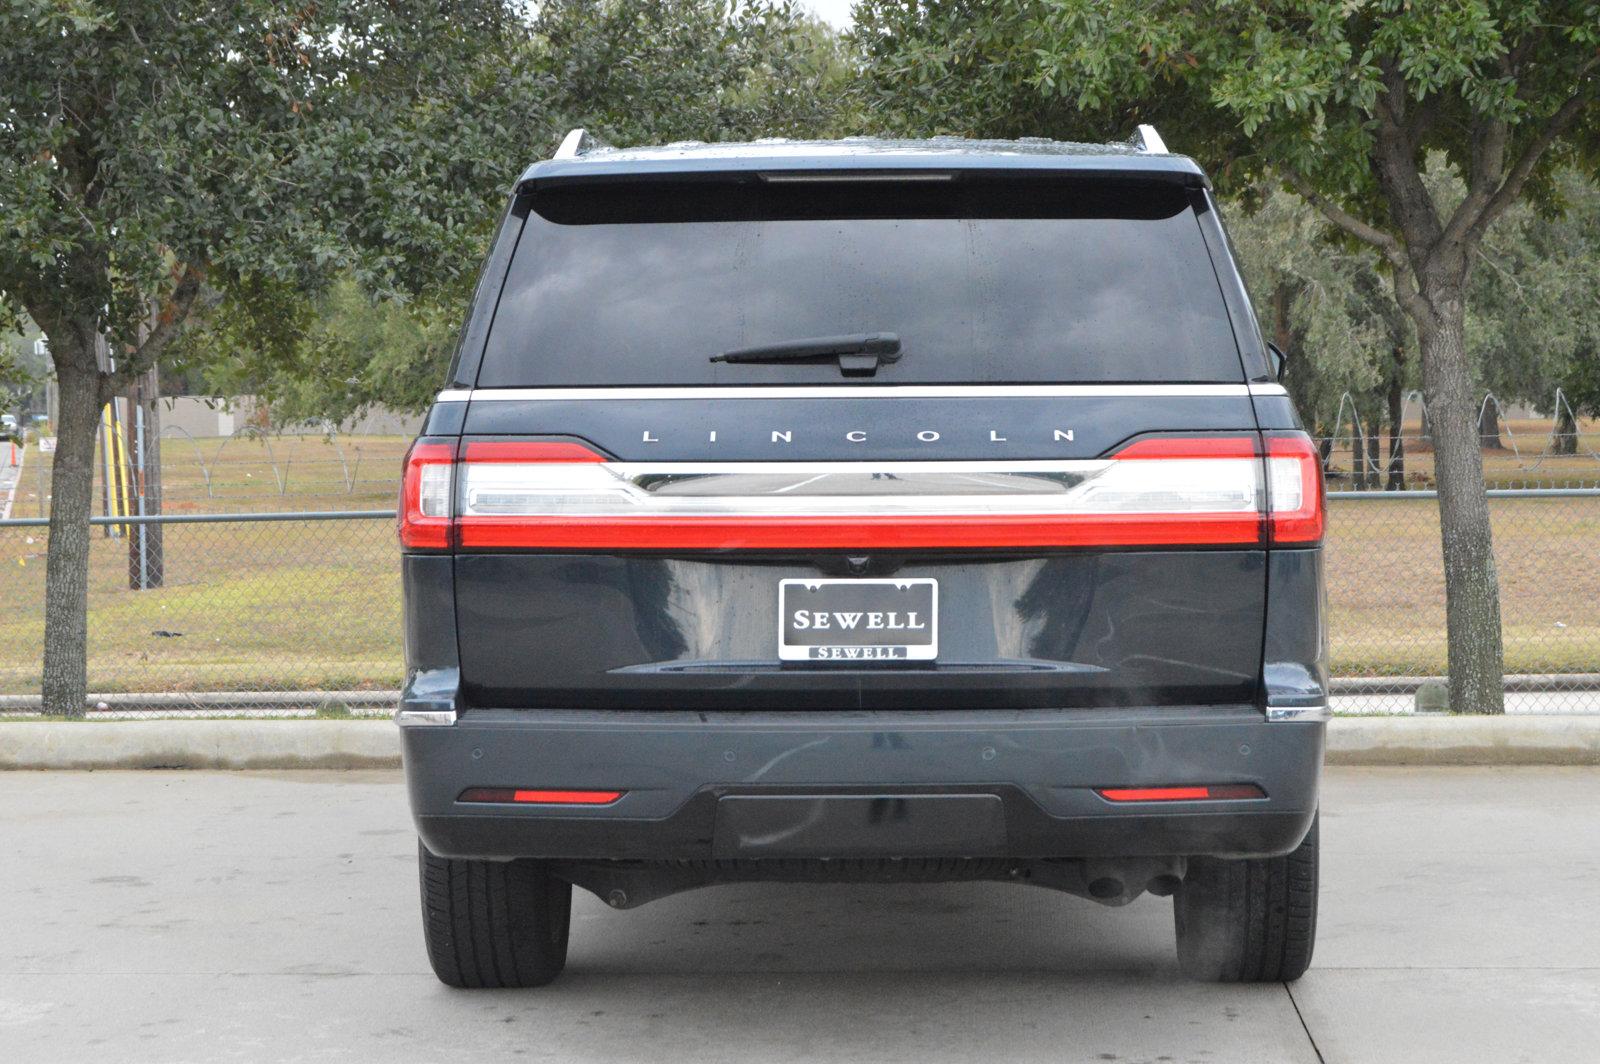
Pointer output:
991, 783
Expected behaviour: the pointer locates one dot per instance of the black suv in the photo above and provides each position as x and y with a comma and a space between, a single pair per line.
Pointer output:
863, 510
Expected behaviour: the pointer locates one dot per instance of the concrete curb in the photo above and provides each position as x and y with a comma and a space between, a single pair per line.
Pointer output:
341, 744
224, 744
1446, 740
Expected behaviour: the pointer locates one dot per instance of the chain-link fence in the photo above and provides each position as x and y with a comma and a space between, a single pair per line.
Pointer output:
241, 612
1385, 574
249, 472
300, 613
1390, 464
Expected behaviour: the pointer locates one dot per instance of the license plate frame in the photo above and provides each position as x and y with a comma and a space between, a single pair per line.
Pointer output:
904, 628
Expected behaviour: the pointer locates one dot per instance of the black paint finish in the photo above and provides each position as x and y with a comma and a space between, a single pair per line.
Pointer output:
1090, 628
1295, 661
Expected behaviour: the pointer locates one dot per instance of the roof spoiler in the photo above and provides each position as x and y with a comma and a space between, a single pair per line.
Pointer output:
581, 142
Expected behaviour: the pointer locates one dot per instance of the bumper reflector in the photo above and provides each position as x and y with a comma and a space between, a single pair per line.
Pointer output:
1207, 793
518, 796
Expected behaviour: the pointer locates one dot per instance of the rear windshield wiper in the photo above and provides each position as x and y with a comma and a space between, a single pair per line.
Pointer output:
859, 355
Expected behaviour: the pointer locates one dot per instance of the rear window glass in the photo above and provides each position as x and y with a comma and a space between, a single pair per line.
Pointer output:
640, 283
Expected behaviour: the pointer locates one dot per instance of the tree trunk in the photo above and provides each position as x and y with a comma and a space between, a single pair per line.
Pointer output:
66, 588
1565, 440
1358, 457
1397, 443
1489, 426
1472, 594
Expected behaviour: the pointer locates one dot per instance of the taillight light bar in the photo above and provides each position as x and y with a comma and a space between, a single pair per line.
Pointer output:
1157, 491
1210, 792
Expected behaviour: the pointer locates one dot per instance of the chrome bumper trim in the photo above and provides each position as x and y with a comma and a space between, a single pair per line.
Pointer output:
425, 718
1300, 713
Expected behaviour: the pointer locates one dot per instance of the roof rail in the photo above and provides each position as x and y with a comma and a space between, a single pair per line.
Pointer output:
579, 142
1146, 137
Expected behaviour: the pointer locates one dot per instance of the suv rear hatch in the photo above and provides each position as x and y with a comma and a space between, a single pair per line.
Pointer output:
1053, 493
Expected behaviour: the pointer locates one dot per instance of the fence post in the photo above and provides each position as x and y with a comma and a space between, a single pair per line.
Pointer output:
146, 559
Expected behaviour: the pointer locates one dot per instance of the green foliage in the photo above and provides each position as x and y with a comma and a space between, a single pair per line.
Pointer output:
1324, 302
631, 71
1245, 87
158, 156
347, 353
1534, 310
656, 71
14, 373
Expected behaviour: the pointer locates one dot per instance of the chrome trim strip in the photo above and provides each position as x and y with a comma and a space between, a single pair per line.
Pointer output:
847, 391
1301, 714
425, 718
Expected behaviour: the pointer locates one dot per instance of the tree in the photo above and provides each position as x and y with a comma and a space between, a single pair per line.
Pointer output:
1533, 322
161, 157
1346, 102
632, 72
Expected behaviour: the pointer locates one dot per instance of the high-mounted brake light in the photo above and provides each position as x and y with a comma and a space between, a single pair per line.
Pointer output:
1208, 793
1202, 490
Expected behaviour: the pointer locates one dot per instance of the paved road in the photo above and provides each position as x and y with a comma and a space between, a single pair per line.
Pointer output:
207, 917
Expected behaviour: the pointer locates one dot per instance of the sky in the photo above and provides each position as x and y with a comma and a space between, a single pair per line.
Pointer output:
835, 12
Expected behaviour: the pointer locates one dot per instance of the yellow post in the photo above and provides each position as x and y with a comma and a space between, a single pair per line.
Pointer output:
116, 460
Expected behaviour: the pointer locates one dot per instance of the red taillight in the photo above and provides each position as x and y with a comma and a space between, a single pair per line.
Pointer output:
1296, 503
519, 796
1207, 793
519, 451
426, 492
1189, 447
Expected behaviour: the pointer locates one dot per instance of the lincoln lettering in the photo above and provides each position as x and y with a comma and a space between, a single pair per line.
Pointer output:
893, 621
780, 437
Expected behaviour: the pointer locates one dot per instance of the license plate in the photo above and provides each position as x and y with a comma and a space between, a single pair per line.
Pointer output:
858, 620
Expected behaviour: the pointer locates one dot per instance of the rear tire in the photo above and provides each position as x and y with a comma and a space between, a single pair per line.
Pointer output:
1249, 921
493, 924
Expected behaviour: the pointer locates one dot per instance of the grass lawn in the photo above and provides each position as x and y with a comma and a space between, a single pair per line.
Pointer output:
282, 605
1386, 585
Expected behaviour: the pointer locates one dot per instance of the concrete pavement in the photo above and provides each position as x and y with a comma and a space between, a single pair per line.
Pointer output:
201, 916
